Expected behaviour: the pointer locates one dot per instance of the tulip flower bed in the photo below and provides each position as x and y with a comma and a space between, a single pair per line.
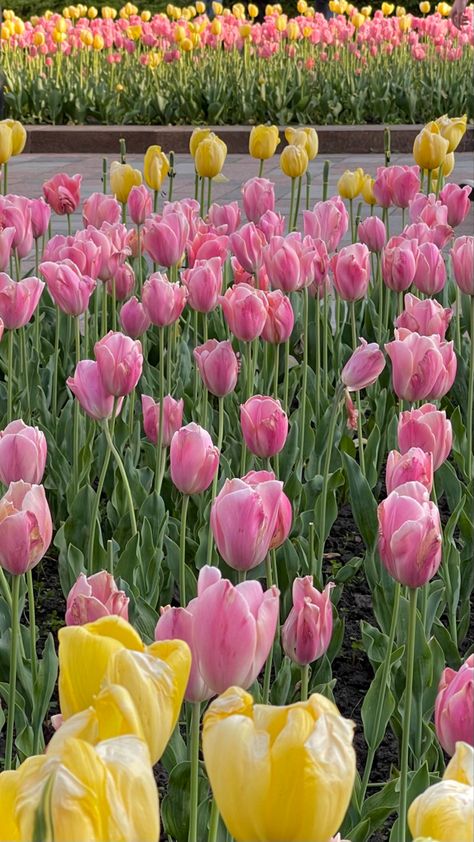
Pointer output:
187, 68
237, 461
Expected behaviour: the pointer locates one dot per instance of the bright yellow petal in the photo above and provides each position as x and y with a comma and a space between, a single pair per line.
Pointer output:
9, 830
444, 811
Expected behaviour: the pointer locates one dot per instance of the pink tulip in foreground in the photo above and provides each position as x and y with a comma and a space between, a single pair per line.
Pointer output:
6, 245
351, 271
280, 318
454, 707
264, 425
134, 319
258, 196
120, 362
204, 284
163, 301
88, 387
193, 459
282, 258
285, 511
245, 311
405, 184
93, 597
18, 300
139, 204
426, 428
99, 208
67, 286
371, 231
225, 217
15, 212
23, 452
218, 366
413, 466
63, 193
410, 542
2, 328
172, 418
307, 631
364, 367
164, 238
430, 272
424, 317
26, 528
422, 366
328, 221
399, 263
457, 201
462, 256
247, 244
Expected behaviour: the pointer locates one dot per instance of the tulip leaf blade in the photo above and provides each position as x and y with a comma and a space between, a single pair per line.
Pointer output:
364, 507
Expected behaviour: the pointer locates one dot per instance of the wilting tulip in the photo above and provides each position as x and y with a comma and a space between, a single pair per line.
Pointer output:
95, 596
454, 706
6, 244
88, 387
155, 167
294, 161
430, 272
193, 459
68, 287
462, 256
225, 217
285, 511
413, 466
349, 184
268, 755
122, 178
99, 208
307, 631
328, 221
263, 141
351, 271
210, 156
372, 232
120, 362
218, 366
40, 217
410, 542
424, 317
426, 428
363, 367
133, 318
18, 300
280, 318
264, 425
26, 528
63, 193
418, 366
457, 202
23, 452
204, 284
245, 311
399, 263
164, 238
172, 418
163, 302
430, 148
258, 196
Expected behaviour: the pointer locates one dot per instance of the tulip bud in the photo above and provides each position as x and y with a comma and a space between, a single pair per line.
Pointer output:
245, 311
350, 183
462, 256
294, 161
372, 232
430, 272
23, 452
430, 148
210, 156
457, 202
163, 302
263, 141
328, 221
218, 366
399, 263
364, 367
68, 287
155, 167
280, 318
164, 238
351, 271
203, 282
306, 633
18, 300
88, 387
193, 459
258, 197
139, 204
122, 178
133, 318
40, 217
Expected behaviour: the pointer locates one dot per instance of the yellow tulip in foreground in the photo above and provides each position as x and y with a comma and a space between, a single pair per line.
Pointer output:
430, 147
294, 161
350, 183
6, 143
304, 136
106, 792
210, 156
263, 142
18, 135
122, 178
453, 129
155, 167
108, 652
445, 811
279, 773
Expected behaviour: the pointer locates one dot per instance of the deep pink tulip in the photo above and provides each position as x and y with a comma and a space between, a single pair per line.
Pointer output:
124, 282
163, 302
93, 597
351, 271
382, 187
258, 196
89, 389
40, 217
120, 362
285, 511
457, 201
428, 209
243, 521
245, 311
134, 319
454, 706
371, 231
264, 425
193, 459
99, 208
247, 244
26, 528
413, 466
218, 366
424, 317
280, 318
6, 243
418, 365
405, 183
307, 631
23, 452
164, 238
69, 289
18, 300
15, 212
363, 367
271, 224
399, 263
410, 542
139, 204
420, 231
462, 256
430, 272
205, 246
63, 193
225, 217
204, 284
426, 428
283, 264
172, 418
328, 221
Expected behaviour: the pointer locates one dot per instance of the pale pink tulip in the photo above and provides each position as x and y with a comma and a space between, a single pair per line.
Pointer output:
457, 201
26, 528
69, 289
134, 319
430, 272
225, 217
247, 244
193, 459
6, 240
245, 311
204, 284
462, 256
99, 208
93, 597
89, 389
139, 204
417, 365
307, 631
40, 217
413, 466
23, 452
120, 362
426, 428
371, 231
285, 511
424, 317
18, 300
163, 301
328, 221
218, 366
172, 418
405, 183
258, 196
399, 263
351, 271
280, 318
164, 238
264, 425
454, 706
363, 367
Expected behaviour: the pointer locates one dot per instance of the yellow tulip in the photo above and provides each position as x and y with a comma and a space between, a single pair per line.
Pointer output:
304, 136
453, 129
245, 30
145, 16
94, 793
98, 42
425, 7
357, 20
367, 190
92, 12
210, 156
387, 9
404, 23
430, 147
6, 143
446, 168
252, 10
19, 27
196, 137
366, 11
281, 23
18, 135
200, 7
263, 141
38, 39
292, 31
301, 6
446, 810
400, 11
134, 32
294, 160
86, 37
444, 9
293, 767
122, 178
350, 183
217, 8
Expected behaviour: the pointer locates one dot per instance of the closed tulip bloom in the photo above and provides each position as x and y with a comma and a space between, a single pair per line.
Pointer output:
328, 221
204, 284
457, 202
88, 387
410, 542
245, 311
349, 184
454, 706
18, 300
452, 129
371, 231
430, 148
280, 318
462, 256
285, 511
263, 141
304, 136
294, 767
225, 217
172, 418
198, 134
294, 161
26, 527
382, 187
426, 428
283, 264
40, 217
307, 631
205, 246
69, 289
258, 196
405, 184
430, 272
413, 466
6, 244
122, 178
6, 143
99, 208
163, 302
420, 231
155, 167
120, 362
139, 204
164, 238
178, 624
95, 596
424, 317
210, 156
264, 425
447, 374
15, 212
367, 190
193, 459
123, 281
23, 453
417, 363
247, 244
363, 367
134, 319
218, 366
18, 135
271, 224
351, 271
399, 263
63, 193
243, 521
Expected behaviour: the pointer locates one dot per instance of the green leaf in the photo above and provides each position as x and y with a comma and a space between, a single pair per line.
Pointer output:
45, 683
363, 504
374, 731
175, 806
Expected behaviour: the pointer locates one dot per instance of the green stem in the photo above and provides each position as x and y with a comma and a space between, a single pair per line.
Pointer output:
104, 309
10, 377
13, 669
402, 813
220, 436
5, 588
327, 463
286, 376
193, 794
249, 371
276, 367
114, 304
305, 377
381, 291
297, 204
317, 362
75, 446
209, 192
470, 400
123, 474
304, 682
213, 822
260, 168
359, 407
95, 510
428, 182
292, 202
351, 213
182, 552
32, 623
325, 341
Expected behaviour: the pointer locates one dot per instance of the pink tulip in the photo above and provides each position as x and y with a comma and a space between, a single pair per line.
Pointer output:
40, 217
271, 224
405, 183
264, 425
99, 208
245, 311
363, 367
430, 272
247, 244
307, 631
18, 300
63, 193
204, 284
424, 317
328, 221
426, 428
399, 263
225, 217
244, 520
2, 329
351, 271
15, 212
462, 256
172, 418
417, 364
372, 232
413, 466
282, 262
88, 387
178, 624
428, 209
447, 374
206, 246
139, 204
383, 186
134, 319
26, 528
285, 511
193, 459
218, 366
124, 282
420, 231
410, 541
69, 289
280, 318
93, 597
258, 196
79, 249
454, 706
115, 249
164, 238
457, 202
189, 208
6, 240
163, 302
23, 452
316, 266
120, 362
